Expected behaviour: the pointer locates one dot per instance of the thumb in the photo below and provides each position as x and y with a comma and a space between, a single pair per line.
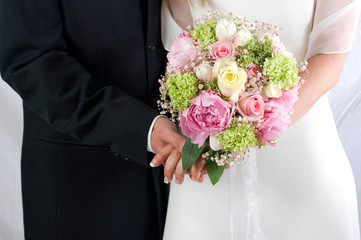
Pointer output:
167, 132
174, 138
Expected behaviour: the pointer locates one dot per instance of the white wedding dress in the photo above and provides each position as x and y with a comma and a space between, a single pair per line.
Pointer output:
305, 184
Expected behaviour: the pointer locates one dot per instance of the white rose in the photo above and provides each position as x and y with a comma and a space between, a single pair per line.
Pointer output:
225, 30
204, 72
221, 63
271, 90
231, 79
214, 143
243, 37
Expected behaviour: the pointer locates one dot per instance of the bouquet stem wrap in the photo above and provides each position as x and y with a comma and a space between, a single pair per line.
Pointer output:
249, 184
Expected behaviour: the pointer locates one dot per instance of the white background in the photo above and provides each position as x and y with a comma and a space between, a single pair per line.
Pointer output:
345, 101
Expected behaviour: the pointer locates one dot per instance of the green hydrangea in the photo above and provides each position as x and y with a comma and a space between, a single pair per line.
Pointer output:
182, 88
205, 34
212, 85
256, 52
237, 138
282, 70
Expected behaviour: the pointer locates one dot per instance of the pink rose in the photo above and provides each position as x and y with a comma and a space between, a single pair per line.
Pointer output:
182, 52
222, 49
208, 114
277, 116
251, 107
253, 69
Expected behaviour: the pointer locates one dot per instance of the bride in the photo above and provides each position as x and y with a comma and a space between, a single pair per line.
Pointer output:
306, 187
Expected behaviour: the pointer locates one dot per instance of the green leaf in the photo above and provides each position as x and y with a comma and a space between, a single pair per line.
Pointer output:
215, 172
190, 153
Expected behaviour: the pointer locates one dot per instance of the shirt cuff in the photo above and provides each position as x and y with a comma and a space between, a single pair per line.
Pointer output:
149, 141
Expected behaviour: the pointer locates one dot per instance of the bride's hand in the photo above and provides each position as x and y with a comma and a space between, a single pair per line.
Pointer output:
168, 144
173, 166
171, 158
197, 170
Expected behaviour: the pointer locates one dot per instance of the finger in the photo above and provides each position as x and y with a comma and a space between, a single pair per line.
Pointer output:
157, 144
176, 140
201, 178
171, 165
173, 137
162, 156
196, 169
204, 170
179, 173
167, 132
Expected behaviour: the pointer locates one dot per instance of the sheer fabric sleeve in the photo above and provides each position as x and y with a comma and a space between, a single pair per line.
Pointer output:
334, 27
176, 16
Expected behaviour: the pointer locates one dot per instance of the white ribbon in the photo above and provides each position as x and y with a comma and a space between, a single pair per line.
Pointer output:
249, 184
232, 192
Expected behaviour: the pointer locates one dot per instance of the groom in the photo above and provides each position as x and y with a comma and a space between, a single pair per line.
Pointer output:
87, 73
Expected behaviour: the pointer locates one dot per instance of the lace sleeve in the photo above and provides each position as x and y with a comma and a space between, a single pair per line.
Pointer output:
334, 27
176, 16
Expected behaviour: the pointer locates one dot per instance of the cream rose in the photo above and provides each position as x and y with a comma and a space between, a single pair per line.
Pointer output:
243, 37
214, 143
231, 79
271, 90
225, 30
204, 72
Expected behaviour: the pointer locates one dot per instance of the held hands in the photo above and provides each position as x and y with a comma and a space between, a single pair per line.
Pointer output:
167, 143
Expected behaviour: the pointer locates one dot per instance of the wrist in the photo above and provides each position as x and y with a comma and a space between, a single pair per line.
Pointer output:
151, 129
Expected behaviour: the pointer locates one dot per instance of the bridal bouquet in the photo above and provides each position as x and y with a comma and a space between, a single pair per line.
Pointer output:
231, 85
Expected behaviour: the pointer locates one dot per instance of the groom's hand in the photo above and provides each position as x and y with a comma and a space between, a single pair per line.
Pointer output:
167, 144
165, 132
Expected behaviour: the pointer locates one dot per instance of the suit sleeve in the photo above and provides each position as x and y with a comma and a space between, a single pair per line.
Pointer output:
35, 62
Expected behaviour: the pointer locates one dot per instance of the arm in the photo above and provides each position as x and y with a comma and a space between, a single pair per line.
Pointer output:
36, 63
334, 27
324, 73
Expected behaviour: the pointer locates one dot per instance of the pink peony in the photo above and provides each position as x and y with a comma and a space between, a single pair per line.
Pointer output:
288, 98
251, 107
182, 52
222, 49
208, 114
268, 137
277, 45
277, 116
253, 69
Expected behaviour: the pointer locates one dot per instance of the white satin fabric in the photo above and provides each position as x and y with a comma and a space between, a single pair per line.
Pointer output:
345, 101
306, 184
11, 127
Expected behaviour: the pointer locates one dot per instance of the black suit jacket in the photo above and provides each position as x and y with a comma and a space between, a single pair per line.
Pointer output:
87, 72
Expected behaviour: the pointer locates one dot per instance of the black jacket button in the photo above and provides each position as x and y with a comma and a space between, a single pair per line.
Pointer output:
151, 47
